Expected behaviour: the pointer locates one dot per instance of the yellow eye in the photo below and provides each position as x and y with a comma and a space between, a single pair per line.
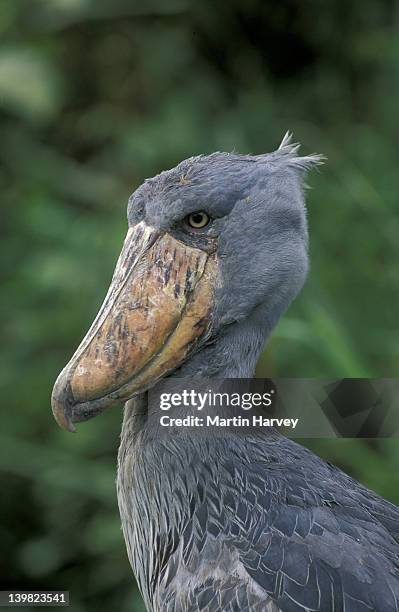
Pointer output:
198, 220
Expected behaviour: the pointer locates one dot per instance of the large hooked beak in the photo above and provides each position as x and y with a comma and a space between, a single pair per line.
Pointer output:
157, 308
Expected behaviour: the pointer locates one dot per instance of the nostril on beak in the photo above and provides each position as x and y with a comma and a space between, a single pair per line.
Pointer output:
62, 402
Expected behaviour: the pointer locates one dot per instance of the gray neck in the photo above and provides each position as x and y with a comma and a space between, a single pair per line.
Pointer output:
144, 483
234, 353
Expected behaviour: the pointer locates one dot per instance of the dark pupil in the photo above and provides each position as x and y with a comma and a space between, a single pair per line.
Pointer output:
198, 218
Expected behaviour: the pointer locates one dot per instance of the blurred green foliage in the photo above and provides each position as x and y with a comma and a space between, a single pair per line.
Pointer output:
96, 96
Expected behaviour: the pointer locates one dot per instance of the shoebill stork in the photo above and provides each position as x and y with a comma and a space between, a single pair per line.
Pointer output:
215, 251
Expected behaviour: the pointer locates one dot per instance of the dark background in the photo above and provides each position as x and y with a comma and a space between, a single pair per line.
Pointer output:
95, 96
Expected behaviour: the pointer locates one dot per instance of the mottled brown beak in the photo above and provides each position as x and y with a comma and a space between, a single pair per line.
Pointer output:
158, 306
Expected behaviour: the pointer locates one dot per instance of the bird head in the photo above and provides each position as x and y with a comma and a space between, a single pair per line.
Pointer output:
208, 243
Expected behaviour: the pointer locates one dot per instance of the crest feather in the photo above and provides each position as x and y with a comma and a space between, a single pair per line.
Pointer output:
288, 152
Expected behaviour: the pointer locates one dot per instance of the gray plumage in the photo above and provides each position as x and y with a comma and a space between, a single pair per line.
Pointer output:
259, 523
245, 522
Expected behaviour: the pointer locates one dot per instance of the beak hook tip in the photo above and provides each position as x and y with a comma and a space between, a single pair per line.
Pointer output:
61, 404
